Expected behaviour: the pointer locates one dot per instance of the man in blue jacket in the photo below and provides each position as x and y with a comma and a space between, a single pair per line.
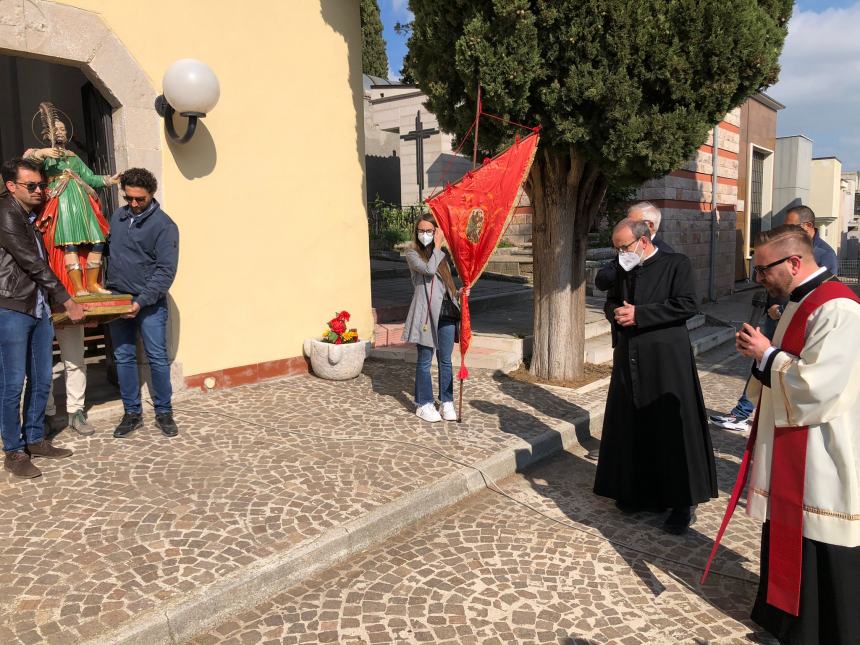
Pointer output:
825, 256
144, 254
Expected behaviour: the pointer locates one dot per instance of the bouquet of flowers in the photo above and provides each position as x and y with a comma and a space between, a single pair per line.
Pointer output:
337, 333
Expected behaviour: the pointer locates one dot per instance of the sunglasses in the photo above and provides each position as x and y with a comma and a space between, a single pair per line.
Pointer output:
33, 185
761, 269
135, 200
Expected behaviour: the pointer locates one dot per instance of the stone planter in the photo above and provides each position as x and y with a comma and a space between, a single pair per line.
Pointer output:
336, 362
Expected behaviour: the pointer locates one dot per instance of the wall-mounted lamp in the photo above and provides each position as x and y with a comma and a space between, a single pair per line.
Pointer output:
191, 88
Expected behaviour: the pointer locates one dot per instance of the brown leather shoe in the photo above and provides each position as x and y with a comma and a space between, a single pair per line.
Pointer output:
19, 464
45, 449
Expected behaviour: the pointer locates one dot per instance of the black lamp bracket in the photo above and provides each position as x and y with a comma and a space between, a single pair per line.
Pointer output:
166, 111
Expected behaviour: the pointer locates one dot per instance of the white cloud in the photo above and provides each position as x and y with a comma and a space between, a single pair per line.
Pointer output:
820, 81
400, 9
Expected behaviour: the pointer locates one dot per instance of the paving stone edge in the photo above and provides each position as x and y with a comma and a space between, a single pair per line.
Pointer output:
186, 617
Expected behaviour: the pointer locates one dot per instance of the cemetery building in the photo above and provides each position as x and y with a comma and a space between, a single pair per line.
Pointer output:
269, 193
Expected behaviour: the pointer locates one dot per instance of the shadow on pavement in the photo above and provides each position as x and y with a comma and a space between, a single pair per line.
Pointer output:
567, 481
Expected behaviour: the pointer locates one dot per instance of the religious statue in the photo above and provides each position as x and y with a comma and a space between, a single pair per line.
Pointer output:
72, 222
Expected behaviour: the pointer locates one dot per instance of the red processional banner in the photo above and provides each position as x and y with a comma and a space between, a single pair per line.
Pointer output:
474, 214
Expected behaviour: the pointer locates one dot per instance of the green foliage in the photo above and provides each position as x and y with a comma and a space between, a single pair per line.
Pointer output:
632, 86
613, 209
391, 224
374, 60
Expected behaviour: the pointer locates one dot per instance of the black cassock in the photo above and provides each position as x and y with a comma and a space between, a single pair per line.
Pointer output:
656, 448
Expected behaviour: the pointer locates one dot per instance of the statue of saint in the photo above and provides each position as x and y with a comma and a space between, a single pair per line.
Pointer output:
72, 222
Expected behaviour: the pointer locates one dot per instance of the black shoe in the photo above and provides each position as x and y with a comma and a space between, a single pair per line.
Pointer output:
679, 520
131, 421
167, 424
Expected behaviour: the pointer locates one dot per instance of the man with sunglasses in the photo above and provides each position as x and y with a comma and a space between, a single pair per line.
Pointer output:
803, 455
27, 286
143, 250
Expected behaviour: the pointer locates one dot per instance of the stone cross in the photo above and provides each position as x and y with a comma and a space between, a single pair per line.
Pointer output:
418, 135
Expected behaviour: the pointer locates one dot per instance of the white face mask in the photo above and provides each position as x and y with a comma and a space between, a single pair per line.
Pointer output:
629, 259
425, 237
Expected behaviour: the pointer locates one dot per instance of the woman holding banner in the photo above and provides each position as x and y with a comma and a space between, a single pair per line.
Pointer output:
433, 319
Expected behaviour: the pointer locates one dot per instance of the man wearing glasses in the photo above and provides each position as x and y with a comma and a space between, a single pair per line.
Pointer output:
739, 418
143, 248
655, 451
27, 285
803, 455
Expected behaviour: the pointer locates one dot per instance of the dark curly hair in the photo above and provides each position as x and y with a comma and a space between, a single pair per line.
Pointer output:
10, 168
139, 178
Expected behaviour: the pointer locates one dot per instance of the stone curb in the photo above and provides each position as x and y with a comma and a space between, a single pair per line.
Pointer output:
202, 610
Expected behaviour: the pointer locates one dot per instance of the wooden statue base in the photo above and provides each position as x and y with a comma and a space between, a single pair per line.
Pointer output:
98, 307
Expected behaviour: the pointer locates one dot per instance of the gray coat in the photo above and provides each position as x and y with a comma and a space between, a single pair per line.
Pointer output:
426, 288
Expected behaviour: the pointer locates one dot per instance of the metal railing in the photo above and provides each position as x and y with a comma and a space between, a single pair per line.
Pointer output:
849, 271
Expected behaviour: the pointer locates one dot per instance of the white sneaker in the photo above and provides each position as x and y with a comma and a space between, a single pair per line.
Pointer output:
449, 412
732, 423
428, 412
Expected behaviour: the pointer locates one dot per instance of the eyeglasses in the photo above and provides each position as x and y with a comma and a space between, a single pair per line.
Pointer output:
33, 185
135, 200
623, 249
426, 230
761, 269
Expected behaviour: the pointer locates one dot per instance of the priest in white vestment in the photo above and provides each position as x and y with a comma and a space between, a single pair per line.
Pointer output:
816, 392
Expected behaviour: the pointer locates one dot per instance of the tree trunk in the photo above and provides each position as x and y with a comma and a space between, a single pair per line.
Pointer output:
566, 192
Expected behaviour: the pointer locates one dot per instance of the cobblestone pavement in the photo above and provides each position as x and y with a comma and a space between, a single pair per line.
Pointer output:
124, 525
489, 570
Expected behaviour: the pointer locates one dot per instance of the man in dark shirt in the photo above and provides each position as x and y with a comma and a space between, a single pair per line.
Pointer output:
144, 254
27, 286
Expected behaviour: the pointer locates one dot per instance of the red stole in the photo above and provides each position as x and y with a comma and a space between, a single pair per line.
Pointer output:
787, 474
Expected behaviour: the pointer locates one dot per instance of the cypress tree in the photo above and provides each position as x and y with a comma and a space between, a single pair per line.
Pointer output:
625, 91
374, 60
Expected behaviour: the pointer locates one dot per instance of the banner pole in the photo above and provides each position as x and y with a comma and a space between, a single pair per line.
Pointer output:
477, 124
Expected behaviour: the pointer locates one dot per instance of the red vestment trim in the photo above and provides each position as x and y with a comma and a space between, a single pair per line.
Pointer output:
788, 474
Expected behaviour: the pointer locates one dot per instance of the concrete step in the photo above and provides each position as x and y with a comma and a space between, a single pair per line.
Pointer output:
476, 358
397, 313
696, 321
598, 349
707, 337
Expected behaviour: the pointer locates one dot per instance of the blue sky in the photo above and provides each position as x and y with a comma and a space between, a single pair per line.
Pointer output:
819, 83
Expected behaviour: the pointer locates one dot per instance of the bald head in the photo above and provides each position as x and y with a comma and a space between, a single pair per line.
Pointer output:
646, 211
637, 228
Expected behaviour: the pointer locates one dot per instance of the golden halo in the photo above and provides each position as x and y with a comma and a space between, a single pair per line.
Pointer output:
62, 116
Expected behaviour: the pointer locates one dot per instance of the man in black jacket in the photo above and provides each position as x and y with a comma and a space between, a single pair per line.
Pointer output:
655, 452
144, 252
27, 285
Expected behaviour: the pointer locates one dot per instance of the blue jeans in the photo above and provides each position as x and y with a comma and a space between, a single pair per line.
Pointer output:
26, 349
745, 407
151, 321
423, 379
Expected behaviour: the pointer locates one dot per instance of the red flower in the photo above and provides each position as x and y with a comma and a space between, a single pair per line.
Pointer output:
339, 341
343, 315
337, 325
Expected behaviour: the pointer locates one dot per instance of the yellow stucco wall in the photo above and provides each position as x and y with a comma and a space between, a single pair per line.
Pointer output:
269, 199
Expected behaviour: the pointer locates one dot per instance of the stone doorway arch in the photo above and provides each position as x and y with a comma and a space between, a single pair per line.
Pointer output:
58, 33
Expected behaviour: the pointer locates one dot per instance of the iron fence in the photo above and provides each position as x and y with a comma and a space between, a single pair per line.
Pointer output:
849, 271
